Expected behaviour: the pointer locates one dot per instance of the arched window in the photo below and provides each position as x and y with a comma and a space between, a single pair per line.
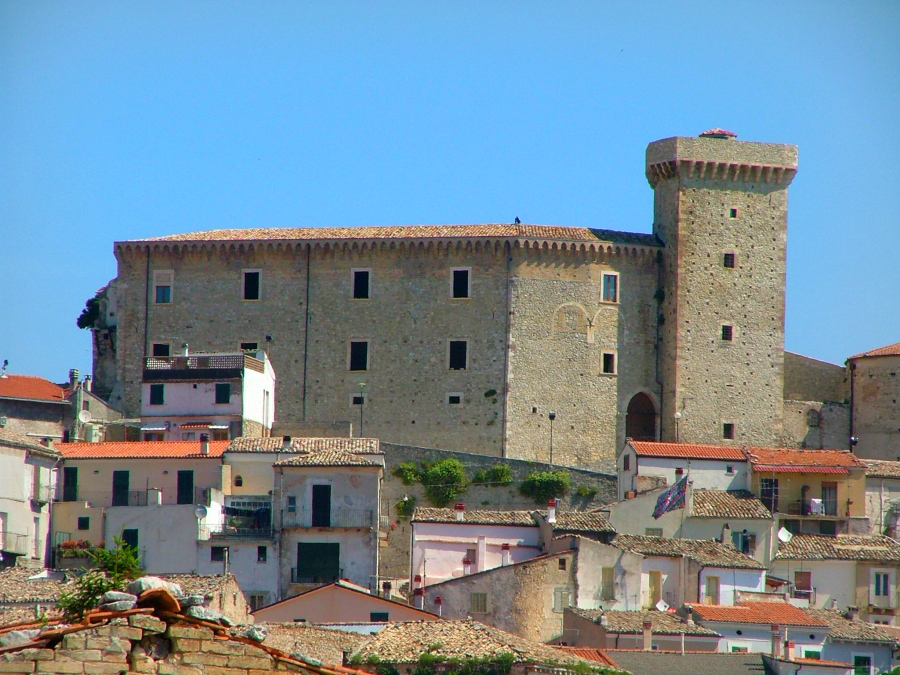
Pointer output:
812, 417
640, 419
238, 481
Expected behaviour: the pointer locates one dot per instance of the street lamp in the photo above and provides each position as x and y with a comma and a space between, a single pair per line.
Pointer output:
551, 417
362, 400
677, 417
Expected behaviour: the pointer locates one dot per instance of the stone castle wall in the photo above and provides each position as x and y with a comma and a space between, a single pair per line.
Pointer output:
876, 392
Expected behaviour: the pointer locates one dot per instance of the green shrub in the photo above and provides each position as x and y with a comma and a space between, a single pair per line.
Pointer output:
407, 472
405, 507
542, 486
585, 491
444, 481
500, 474
480, 477
112, 570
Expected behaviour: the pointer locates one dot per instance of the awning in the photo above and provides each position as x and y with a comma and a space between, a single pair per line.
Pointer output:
761, 468
155, 427
194, 425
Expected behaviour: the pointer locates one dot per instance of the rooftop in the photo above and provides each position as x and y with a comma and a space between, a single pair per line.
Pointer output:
30, 388
639, 662
738, 504
21, 585
662, 623
780, 613
882, 468
324, 644
890, 350
705, 551
842, 628
298, 446
141, 450
792, 460
687, 451
14, 440
878, 548
426, 514
327, 458
582, 523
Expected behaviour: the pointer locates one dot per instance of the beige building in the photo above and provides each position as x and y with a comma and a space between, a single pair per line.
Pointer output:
493, 338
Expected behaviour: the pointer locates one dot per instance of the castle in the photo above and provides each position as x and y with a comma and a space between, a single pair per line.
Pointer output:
511, 340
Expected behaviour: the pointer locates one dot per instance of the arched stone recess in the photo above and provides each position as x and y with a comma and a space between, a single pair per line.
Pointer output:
642, 417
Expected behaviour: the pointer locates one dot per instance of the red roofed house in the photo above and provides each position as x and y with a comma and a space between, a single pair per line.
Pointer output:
874, 391
32, 406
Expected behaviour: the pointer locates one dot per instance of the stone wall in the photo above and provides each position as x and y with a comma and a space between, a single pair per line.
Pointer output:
813, 424
876, 411
31, 417
807, 379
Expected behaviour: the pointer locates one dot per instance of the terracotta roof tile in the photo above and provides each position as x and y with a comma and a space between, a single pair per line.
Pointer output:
20, 585
405, 641
14, 440
581, 522
878, 548
718, 132
842, 628
662, 623
890, 350
325, 644
658, 661
197, 584
791, 460
301, 445
882, 468
780, 613
31, 388
705, 551
425, 514
415, 232
687, 451
728, 504
327, 458
141, 450
589, 654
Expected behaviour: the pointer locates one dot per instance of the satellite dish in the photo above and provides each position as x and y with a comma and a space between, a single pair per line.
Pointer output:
784, 536
200, 511
662, 606
84, 416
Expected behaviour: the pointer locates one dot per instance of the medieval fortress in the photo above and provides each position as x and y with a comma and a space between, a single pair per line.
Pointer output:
506, 340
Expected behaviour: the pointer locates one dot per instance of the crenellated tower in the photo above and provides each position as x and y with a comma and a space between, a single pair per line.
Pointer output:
720, 208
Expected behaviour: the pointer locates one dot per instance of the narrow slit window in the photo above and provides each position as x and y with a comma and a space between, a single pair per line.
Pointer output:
610, 288
361, 284
359, 355
728, 430
251, 284
461, 284
727, 333
609, 363
728, 260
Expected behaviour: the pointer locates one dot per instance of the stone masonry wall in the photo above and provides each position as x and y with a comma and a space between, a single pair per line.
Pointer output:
807, 379
876, 411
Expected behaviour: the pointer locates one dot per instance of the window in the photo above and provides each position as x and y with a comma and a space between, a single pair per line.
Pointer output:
768, 493
458, 355
607, 583
610, 288
803, 584
359, 355
727, 333
189, 435
811, 654
160, 349
251, 285
359, 399
812, 417
880, 589
361, 284
454, 399
728, 430
378, 616
739, 650
292, 504
238, 481
479, 603
223, 393
157, 394
262, 554
562, 564
562, 598
154, 436
130, 537
84, 523
249, 346
745, 542
256, 600
461, 283
729, 469
711, 595
609, 363
185, 487
732, 213
829, 498
626, 462
472, 555
728, 260
162, 286
318, 562
653, 532
217, 553
862, 664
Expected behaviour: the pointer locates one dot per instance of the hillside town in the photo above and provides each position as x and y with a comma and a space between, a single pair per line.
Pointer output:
484, 449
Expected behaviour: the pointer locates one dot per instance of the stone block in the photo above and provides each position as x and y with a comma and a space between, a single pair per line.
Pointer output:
37, 654
104, 668
23, 666
249, 662
173, 668
80, 654
74, 641
60, 666
148, 624
203, 659
193, 632
127, 632
143, 665
218, 670
185, 645
225, 647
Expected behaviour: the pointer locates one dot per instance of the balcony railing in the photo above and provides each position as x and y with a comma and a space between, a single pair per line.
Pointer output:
194, 366
10, 542
301, 576
42, 494
237, 532
102, 499
805, 594
350, 518
804, 507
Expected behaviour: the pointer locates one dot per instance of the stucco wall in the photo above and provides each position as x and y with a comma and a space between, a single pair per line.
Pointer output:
19, 513
705, 474
831, 579
335, 605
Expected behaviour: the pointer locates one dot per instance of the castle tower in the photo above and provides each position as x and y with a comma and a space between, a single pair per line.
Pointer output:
720, 208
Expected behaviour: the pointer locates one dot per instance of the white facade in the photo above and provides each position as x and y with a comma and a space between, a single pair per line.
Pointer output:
706, 474
27, 480
831, 580
732, 581
757, 638
669, 571
253, 562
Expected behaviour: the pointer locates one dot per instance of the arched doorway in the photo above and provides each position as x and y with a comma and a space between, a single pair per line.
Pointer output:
640, 420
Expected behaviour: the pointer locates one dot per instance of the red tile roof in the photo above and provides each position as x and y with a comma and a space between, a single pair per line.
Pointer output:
802, 461
589, 654
140, 450
890, 350
686, 451
719, 132
780, 613
31, 388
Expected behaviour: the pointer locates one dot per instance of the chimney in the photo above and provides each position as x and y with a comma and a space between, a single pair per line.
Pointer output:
285, 443
204, 444
419, 598
185, 350
154, 497
551, 511
73, 378
505, 555
726, 534
417, 580
460, 509
386, 590
88, 382
789, 646
467, 565
852, 613
647, 626
438, 601
46, 441
689, 615
603, 620
776, 641
630, 494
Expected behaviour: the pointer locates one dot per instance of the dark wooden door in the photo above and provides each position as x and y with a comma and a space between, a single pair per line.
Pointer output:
321, 506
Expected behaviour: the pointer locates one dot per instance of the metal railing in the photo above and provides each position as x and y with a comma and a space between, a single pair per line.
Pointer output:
333, 518
299, 576
204, 362
42, 493
805, 594
11, 542
225, 531
103, 499
803, 507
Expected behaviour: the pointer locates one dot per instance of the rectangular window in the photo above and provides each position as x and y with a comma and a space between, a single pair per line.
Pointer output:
217, 553
829, 498
745, 542
458, 355
881, 587
185, 489
768, 493
251, 284
609, 363
728, 260
562, 598
461, 283
728, 430
626, 462
562, 564
249, 346
359, 399
803, 584
729, 469
223, 393
378, 616
711, 595
157, 394
318, 562
162, 286
70, 484
732, 213
262, 554
607, 583
359, 355
121, 483
610, 288
862, 664
256, 600
479, 603
727, 333
472, 556
130, 537
189, 435
161, 349
361, 284
810, 654
292, 504
653, 532
84, 523
454, 399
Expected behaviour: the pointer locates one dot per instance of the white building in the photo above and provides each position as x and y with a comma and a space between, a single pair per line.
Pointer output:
221, 395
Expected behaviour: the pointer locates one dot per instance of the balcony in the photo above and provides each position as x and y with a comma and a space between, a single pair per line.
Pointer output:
297, 578
346, 518
806, 508
237, 532
41, 494
10, 542
803, 597
199, 367
102, 499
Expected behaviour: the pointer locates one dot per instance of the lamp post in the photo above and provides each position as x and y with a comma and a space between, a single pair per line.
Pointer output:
551, 417
362, 401
677, 417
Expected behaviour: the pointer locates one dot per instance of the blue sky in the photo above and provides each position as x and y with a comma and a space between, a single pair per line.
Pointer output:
128, 120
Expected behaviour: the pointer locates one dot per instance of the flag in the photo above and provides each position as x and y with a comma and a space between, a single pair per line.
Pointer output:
671, 499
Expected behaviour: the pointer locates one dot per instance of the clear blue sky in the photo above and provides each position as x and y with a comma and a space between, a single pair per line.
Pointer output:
122, 120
